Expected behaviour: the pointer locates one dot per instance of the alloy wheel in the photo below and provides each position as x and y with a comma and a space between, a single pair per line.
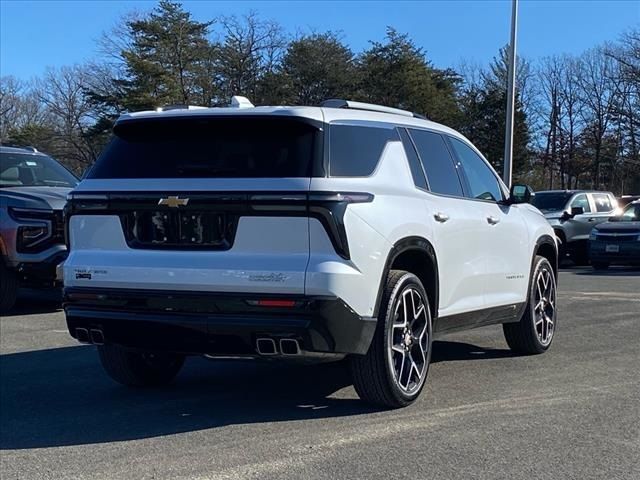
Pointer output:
544, 311
408, 340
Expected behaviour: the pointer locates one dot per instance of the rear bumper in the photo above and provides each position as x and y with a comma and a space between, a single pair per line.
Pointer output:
43, 273
214, 324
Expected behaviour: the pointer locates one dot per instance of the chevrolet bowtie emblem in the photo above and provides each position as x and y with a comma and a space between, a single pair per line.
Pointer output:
173, 202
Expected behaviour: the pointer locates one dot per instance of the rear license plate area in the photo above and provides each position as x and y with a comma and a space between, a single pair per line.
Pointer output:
175, 229
201, 228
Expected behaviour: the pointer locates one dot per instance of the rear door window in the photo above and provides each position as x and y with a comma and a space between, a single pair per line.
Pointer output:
356, 150
437, 162
603, 202
210, 147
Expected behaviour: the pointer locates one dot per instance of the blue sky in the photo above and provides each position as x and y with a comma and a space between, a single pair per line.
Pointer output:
36, 34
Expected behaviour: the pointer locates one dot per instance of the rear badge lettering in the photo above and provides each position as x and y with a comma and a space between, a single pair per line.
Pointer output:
515, 276
86, 274
270, 277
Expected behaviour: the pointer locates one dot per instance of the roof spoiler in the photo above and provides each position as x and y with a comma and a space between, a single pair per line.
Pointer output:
167, 108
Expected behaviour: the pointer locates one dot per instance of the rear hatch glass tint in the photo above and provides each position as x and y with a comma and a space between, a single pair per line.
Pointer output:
211, 147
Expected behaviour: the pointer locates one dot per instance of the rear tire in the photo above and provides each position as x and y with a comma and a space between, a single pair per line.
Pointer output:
535, 330
139, 369
8, 288
562, 247
401, 344
580, 254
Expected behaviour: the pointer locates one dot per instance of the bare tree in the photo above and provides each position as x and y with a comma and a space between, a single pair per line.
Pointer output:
598, 89
251, 48
61, 91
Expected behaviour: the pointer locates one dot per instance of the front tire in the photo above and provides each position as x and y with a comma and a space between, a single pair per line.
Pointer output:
394, 370
138, 369
535, 330
8, 288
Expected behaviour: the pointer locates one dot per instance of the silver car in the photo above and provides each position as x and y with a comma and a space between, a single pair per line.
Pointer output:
572, 214
33, 192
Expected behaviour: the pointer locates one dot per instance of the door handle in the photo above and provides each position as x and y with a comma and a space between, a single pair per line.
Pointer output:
440, 217
592, 220
493, 220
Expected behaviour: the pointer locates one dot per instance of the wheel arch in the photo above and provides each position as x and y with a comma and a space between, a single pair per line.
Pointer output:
416, 255
546, 247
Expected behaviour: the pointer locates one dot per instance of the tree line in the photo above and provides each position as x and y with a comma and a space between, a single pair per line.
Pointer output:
577, 118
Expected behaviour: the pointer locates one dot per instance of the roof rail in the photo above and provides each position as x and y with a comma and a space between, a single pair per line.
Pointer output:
167, 108
339, 103
21, 147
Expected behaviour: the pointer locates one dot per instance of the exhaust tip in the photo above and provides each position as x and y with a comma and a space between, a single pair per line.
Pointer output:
289, 346
97, 336
266, 346
82, 335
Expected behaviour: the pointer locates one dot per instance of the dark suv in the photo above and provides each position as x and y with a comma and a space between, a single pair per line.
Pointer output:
33, 191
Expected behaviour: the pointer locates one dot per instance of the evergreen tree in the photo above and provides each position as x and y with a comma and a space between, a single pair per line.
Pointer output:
318, 67
166, 60
396, 73
484, 109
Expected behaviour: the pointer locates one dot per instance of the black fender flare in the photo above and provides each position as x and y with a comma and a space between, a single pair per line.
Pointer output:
550, 241
401, 246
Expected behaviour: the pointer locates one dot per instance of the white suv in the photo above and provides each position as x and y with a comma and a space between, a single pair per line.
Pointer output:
289, 232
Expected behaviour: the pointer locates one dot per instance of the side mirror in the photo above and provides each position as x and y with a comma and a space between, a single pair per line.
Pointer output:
521, 194
576, 211
572, 213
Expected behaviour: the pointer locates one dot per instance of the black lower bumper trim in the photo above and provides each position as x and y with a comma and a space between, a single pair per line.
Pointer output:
40, 273
215, 324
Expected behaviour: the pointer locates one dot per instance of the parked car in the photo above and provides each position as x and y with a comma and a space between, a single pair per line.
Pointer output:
625, 200
300, 232
572, 214
618, 240
33, 191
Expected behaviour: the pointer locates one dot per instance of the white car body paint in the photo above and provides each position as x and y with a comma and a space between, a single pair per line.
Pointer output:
480, 265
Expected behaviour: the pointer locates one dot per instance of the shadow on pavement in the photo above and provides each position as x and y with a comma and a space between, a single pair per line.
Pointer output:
613, 271
62, 397
451, 351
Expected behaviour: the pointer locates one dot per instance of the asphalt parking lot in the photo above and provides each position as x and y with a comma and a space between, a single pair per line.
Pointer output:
571, 413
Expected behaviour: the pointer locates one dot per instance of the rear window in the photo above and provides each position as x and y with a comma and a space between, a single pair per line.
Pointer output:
603, 202
355, 150
552, 201
220, 147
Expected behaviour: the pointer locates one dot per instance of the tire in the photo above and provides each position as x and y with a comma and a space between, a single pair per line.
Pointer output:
399, 343
534, 332
562, 247
580, 254
8, 288
137, 369
600, 265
